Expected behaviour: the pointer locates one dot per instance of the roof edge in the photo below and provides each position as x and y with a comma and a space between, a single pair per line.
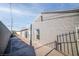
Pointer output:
62, 11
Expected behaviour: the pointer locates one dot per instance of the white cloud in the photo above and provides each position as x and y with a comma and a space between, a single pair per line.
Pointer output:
17, 11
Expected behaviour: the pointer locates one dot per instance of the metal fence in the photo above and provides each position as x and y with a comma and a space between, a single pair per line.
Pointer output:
67, 43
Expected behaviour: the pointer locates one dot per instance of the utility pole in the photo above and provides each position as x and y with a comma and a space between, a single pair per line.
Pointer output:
11, 23
11, 17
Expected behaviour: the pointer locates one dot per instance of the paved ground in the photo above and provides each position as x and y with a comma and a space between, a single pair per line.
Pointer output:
16, 47
55, 53
45, 50
26, 40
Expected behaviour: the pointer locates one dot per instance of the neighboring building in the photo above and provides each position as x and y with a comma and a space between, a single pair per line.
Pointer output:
4, 37
24, 33
50, 24
18, 33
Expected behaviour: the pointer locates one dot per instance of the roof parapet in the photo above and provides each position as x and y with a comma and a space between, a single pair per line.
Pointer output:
62, 11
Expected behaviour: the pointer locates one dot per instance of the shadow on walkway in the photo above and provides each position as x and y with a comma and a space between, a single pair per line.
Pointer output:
16, 47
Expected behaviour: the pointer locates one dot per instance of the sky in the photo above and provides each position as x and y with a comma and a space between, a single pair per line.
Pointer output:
24, 14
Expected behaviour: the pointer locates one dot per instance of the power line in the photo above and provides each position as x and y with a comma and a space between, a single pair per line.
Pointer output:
11, 16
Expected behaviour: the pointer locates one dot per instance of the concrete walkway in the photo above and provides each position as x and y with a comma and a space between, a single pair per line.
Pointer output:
55, 53
16, 47
45, 50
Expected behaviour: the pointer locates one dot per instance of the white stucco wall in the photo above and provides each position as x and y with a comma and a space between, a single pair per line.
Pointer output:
51, 26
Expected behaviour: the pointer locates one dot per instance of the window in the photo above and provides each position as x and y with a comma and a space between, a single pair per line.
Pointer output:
26, 34
37, 34
41, 18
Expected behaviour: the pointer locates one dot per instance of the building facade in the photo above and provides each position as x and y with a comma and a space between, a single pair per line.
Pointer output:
4, 37
50, 24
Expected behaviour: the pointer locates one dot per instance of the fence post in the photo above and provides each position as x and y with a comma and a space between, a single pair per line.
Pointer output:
63, 41
78, 43
67, 43
60, 43
71, 43
77, 37
56, 47
75, 42
57, 43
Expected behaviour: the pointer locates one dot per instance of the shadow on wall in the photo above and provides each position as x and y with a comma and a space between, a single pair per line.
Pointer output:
16, 47
4, 37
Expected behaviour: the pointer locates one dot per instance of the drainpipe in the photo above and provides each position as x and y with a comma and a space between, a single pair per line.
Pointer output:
31, 34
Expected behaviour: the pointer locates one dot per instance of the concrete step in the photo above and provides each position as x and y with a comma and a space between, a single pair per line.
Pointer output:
42, 51
46, 51
55, 53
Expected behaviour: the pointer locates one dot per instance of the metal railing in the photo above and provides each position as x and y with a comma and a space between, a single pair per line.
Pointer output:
67, 43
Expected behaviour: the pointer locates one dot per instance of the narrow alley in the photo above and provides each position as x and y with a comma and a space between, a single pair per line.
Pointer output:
39, 29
